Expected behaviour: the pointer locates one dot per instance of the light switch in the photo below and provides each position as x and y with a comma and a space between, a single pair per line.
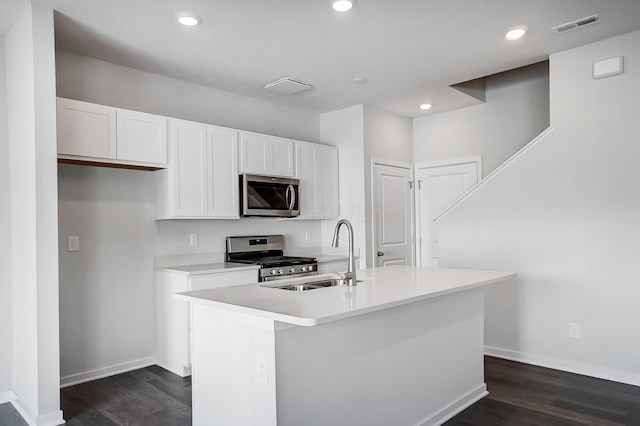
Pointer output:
193, 240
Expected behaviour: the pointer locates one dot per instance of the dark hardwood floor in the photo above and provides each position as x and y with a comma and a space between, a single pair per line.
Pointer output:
149, 396
519, 395
522, 394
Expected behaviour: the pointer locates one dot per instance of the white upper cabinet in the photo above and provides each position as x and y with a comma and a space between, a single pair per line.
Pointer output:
317, 169
141, 137
86, 129
201, 181
188, 169
266, 155
222, 157
98, 133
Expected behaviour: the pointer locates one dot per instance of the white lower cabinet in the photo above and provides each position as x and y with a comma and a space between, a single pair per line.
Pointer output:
173, 317
93, 133
201, 181
317, 169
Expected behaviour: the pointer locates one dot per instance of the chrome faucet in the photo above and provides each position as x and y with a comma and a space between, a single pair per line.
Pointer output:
350, 276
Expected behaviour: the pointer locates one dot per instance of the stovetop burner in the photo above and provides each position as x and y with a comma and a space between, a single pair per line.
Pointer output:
268, 252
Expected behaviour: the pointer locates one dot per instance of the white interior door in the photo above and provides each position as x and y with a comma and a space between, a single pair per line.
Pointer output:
439, 186
393, 215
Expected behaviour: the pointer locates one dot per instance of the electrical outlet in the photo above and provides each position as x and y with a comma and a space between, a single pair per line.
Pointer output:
193, 240
262, 373
574, 330
307, 235
73, 243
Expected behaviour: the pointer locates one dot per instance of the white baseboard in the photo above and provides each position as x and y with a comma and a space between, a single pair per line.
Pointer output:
7, 396
565, 365
456, 406
52, 419
100, 373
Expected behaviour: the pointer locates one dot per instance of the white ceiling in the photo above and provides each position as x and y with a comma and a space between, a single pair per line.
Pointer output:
410, 51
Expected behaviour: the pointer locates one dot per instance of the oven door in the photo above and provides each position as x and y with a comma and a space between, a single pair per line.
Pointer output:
269, 196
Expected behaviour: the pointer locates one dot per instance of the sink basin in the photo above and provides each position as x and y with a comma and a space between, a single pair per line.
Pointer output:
313, 285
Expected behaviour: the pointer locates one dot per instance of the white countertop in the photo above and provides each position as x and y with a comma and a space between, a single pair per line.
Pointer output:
208, 268
382, 288
221, 267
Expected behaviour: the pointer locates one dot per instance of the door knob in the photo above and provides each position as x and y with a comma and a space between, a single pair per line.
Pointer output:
380, 253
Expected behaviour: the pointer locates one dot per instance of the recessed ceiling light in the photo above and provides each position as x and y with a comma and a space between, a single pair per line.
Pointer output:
425, 106
343, 5
360, 80
188, 19
515, 34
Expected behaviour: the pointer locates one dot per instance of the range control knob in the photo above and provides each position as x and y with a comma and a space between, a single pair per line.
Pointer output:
310, 268
272, 272
303, 268
279, 271
292, 269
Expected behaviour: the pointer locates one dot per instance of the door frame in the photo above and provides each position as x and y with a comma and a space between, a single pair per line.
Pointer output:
412, 208
427, 165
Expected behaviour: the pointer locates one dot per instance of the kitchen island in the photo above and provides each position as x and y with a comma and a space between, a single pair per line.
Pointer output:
403, 347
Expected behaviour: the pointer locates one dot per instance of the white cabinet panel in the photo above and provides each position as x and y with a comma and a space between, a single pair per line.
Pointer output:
188, 168
141, 137
173, 317
201, 181
93, 133
86, 129
266, 155
222, 156
254, 150
282, 157
317, 169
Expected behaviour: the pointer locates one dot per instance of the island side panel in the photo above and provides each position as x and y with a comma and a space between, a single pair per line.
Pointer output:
416, 364
233, 381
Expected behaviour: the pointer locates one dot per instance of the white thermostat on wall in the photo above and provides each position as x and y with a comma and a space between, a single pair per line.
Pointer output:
608, 67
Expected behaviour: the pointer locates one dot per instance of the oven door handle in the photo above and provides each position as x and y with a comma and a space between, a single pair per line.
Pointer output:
291, 197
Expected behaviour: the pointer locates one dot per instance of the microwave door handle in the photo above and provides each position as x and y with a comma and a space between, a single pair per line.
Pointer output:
287, 195
293, 197
290, 195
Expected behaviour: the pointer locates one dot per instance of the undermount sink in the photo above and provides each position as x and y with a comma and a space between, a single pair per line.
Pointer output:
312, 285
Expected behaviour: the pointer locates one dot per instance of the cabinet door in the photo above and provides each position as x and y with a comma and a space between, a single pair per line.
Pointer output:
317, 169
222, 158
189, 168
281, 159
86, 129
329, 207
306, 172
266, 155
254, 150
141, 137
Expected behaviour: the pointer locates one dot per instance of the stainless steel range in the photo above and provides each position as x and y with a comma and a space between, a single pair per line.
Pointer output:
268, 252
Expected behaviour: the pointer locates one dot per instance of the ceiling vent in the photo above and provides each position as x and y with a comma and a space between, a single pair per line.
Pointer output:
574, 25
287, 86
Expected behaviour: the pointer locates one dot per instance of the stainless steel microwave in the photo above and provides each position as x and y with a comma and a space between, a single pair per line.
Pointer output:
269, 196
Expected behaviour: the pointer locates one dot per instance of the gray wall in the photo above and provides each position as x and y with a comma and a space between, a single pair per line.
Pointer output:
106, 289
101, 82
516, 110
564, 216
345, 129
5, 237
30, 77
387, 137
